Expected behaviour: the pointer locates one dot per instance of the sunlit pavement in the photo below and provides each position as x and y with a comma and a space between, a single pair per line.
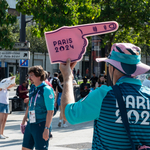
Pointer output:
70, 138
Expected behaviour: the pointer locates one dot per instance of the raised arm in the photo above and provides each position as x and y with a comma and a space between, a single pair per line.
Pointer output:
12, 85
67, 94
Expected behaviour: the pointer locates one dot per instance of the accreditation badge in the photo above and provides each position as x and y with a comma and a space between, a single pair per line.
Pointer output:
32, 118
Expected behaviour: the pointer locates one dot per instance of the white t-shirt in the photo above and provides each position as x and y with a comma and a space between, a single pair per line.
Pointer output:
4, 96
146, 82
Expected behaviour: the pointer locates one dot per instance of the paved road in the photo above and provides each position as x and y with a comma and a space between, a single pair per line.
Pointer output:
70, 138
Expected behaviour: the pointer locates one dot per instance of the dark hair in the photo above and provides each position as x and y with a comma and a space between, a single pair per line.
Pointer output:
55, 74
99, 81
59, 72
60, 78
38, 72
25, 81
85, 79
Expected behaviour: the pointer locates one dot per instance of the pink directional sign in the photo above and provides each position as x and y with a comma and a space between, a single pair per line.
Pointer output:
71, 42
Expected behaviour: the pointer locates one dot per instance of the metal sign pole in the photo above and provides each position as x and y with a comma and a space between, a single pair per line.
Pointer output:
23, 71
2, 69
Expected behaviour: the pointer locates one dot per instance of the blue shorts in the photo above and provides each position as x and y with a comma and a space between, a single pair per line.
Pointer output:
33, 136
59, 99
4, 108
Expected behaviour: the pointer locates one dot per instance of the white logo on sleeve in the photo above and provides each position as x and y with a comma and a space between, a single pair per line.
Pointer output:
50, 96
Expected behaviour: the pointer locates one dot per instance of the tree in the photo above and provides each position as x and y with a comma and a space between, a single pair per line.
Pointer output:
37, 44
141, 39
6, 23
53, 14
131, 15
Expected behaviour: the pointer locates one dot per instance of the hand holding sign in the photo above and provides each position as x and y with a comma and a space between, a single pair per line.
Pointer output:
71, 42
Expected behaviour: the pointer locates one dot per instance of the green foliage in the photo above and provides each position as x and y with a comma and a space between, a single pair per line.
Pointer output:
14, 32
6, 22
37, 44
17, 78
141, 39
133, 17
145, 50
53, 14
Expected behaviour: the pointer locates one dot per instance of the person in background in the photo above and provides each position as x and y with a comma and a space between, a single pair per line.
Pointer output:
55, 81
74, 81
26, 79
105, 77
59, 73
100, 81
93, 80
4, 108
87, 72
46, 79
124, 63
78, 73
26, 100
146, 82
49, 77
23, 90
84, 87
74, 72
59, 90
39, 111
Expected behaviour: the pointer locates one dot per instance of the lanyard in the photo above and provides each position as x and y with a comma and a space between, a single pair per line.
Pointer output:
35, 99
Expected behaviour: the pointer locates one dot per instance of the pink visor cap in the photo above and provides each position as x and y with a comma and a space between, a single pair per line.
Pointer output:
126, 57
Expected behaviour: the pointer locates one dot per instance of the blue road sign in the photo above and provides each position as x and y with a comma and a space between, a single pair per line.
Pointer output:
24, 63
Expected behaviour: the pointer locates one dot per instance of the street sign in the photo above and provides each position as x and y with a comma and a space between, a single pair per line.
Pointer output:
22, 45
24, 63
14, 54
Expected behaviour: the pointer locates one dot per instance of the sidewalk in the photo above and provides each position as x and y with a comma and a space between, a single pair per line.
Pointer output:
70, 138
